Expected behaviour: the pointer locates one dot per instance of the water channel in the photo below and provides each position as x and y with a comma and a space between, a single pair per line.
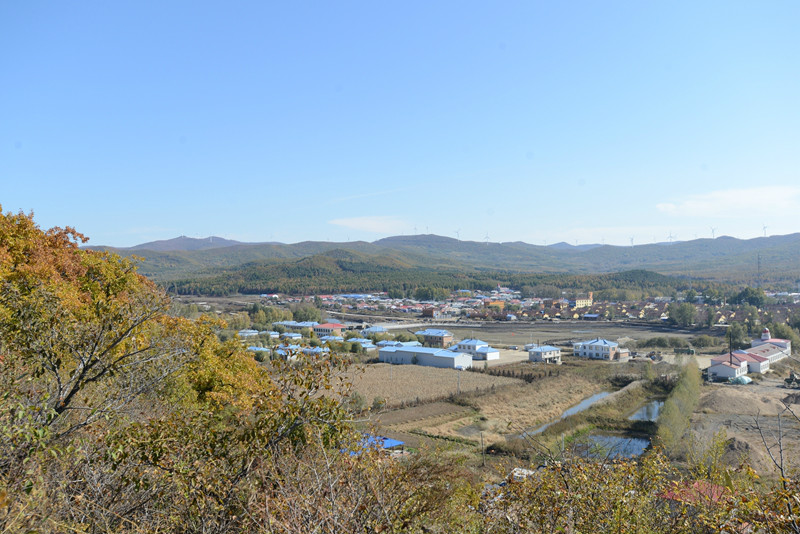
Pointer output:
603, 445
608, 446
581, 406
648, 412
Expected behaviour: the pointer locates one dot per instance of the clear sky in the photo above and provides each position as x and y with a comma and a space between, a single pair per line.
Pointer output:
289, 121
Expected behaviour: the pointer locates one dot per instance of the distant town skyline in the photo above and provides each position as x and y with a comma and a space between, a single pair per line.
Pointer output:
611, 123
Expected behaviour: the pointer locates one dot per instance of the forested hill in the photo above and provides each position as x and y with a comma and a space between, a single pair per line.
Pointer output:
723, 259
341, 271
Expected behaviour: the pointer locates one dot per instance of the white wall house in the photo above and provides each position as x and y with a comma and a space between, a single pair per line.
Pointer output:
721, 370
427, 356
435, 337
479, 350
597, 349
545, 354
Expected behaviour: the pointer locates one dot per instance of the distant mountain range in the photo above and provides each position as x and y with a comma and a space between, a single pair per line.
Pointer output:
774, 259
184, 243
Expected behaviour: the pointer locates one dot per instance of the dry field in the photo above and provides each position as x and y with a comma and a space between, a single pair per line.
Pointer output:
409, 383
515, 409
519, 333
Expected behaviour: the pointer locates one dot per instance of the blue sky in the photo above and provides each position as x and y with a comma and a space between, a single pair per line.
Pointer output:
524, 121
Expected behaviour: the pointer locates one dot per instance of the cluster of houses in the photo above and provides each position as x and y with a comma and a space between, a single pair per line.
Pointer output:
440, 351
325, 332
756, 359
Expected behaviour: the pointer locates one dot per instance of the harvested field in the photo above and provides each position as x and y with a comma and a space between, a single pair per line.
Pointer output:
410, 383
515, 409
424, 412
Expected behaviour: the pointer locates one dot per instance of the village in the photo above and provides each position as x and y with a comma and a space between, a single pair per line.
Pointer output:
476, 370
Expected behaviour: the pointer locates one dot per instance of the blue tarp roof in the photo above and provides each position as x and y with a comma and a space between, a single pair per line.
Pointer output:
381, 441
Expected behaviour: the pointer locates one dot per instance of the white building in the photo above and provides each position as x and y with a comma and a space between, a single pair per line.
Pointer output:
545, 354
427, 356
766, 339
726, 369
479, 350
247, 333
769, 351
755, 363
597, 349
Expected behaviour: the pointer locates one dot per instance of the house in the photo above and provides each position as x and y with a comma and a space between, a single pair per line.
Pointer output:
315, 351
436, 338
328, 329
365, 343
479, 350
545, 354
292, 336
727, 369
374, 330
427, 356
295, 326
597, 349
247, 333
584, 302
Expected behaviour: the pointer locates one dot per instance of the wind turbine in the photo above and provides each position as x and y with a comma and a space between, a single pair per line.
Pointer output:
458, 234
713, 232
631, 240
765, 231
670, 237
487, 238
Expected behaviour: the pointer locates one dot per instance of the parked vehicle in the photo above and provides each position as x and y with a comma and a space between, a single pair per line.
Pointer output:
793, 381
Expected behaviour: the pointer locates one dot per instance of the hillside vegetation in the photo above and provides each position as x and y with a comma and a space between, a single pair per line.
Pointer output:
339, 271
721, 259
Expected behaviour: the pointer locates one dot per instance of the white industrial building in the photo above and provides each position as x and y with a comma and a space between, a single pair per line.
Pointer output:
479, 350
427, 356
776, 348
755, 363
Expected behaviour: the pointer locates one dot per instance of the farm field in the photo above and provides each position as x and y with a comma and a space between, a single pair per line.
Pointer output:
515, 409
414, 383
520, 333
512, 407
